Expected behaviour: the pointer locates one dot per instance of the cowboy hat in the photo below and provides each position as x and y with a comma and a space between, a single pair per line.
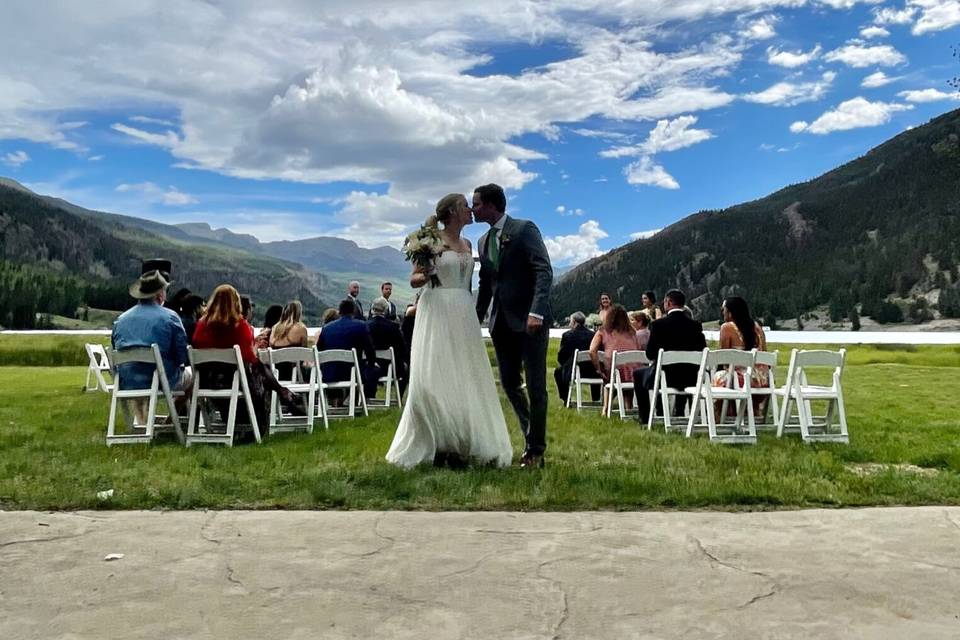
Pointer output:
148, 285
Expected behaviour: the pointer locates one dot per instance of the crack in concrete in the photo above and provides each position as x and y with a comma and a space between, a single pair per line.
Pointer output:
564, 614
774, 585
230, 578
473, 567
206, 525
376, 531
762, 596
540, 532
11, 543
713, 558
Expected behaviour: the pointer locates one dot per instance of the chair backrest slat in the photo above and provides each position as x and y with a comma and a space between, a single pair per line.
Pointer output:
335, 355
291, 354
729, 357
766, 358
667, 358
623, 358
133, 354
820, 358
224, 356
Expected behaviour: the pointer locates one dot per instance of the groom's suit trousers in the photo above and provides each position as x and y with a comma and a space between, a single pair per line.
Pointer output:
521, 352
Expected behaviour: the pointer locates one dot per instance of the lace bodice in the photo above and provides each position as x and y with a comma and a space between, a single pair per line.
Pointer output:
455, 270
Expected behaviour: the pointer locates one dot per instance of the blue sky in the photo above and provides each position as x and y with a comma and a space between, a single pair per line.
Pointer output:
604, 119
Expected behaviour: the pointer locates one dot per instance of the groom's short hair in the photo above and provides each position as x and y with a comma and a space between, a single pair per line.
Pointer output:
493, 194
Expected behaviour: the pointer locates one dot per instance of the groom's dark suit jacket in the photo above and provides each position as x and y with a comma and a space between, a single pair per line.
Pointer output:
521, 284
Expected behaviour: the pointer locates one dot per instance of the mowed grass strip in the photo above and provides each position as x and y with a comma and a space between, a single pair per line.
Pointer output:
901, 410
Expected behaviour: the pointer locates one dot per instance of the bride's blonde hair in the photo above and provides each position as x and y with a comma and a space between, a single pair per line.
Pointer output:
445, 207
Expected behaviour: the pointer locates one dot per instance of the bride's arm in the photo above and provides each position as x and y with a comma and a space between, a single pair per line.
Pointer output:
419, 277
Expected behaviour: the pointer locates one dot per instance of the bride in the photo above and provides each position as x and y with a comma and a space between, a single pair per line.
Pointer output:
452, 413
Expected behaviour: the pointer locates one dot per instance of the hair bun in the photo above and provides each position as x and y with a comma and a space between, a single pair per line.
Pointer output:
431, 221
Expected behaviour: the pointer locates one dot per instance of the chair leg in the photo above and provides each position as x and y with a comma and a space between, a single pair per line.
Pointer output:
841, 413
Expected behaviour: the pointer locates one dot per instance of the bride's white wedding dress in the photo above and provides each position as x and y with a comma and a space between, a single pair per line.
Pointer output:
452, 405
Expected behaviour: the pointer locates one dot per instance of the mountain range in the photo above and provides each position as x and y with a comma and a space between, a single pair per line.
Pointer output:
56, 254
878, 236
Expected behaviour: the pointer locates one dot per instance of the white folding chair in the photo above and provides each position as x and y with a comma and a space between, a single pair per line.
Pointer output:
800, 392
667, 394
294, 356
158, 384
239, 388
619, 359
353, 385
390, 381
726, 362
771, 410
97, 368
577, 381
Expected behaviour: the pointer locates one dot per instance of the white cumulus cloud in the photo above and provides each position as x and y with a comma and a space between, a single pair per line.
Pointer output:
647, 172
763, 28
852, 114
889, 15
859, 56
874, 32
15, 158
667, 135
787, 94
935, 15
928, 95
576, 248
792, 59
877, 79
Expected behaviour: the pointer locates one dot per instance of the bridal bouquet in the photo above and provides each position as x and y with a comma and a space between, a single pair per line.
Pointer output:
422, 247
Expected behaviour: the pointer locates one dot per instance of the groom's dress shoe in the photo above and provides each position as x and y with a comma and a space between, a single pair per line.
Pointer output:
532, 461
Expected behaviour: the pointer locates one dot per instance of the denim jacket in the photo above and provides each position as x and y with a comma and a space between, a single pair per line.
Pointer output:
141, 326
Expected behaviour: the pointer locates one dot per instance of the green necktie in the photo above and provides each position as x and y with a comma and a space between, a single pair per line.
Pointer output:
493, 248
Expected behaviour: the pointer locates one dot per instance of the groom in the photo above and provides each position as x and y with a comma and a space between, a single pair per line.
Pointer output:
515, 274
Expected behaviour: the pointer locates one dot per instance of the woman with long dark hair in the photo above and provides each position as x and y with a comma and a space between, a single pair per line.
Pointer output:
740, 331
649, 302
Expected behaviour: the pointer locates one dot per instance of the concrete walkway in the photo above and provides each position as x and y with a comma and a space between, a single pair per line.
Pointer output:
872, 573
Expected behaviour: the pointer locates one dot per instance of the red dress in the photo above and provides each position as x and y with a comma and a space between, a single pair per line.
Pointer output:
220, 337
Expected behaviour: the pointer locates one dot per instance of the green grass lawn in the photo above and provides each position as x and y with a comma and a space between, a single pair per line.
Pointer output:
902, 409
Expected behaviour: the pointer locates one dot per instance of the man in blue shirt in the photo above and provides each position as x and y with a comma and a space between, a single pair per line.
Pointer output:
147, 323
348, 333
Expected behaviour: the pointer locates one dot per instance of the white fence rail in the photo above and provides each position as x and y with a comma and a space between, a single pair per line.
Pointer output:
773, 337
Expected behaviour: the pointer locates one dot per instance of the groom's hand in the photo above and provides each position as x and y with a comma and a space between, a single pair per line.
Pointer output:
534, 324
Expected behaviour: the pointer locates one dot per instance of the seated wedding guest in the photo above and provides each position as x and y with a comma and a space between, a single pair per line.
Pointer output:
641, 324
191, 308
386, 334
246, 309
329, 316
615, 334
649, 302
175, 301
349, 333
740, 331
603, 307
289, 332
270, 318
147, 323
673, 332
223, 326
577, 338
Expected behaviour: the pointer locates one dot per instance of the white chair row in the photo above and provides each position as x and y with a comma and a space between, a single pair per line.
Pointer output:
797, 391
200, 424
